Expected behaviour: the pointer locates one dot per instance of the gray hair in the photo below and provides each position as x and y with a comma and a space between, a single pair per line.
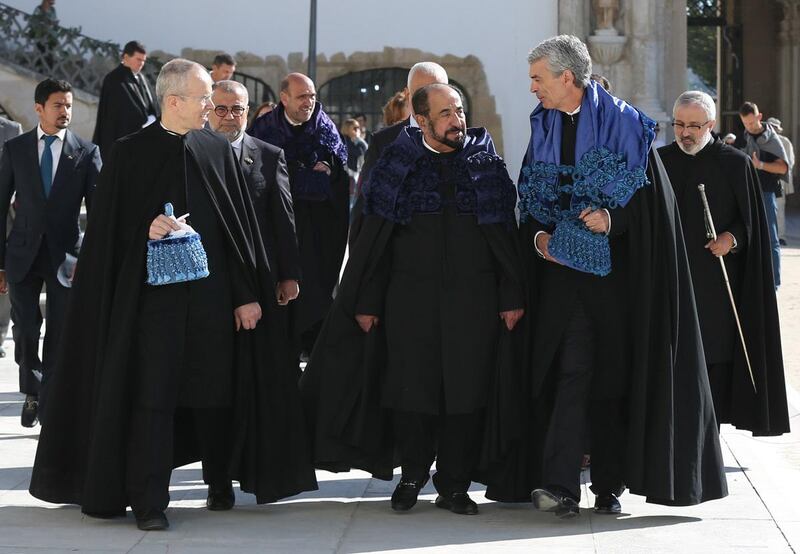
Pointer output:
428, 68
697, 98
565, 52
233, 87
173, 77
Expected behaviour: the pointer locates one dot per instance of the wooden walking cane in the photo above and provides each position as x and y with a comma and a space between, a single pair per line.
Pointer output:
711, 233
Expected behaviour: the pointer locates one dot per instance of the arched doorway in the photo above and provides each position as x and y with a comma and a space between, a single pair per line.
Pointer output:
367, 92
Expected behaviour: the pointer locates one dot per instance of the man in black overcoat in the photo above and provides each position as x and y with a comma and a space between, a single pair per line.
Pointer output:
420, 75
409, 354
267, 178
317, 159
731, 187
157, 376
126, 102
614, 348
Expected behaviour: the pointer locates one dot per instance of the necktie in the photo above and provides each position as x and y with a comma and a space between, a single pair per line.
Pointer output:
46, 166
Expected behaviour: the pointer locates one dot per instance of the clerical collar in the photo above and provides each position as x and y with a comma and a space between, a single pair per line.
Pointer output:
573, 112
290, 120
40, 133
173, 133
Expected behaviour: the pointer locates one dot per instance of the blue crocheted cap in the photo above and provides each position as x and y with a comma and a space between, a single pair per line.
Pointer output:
176, 259
577, 247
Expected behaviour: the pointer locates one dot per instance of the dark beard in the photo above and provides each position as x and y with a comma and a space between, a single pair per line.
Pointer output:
457, 144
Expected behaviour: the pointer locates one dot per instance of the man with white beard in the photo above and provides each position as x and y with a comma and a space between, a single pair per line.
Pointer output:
734, 200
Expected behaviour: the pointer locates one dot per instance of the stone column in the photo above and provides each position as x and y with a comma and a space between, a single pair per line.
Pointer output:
644, 45
789, 75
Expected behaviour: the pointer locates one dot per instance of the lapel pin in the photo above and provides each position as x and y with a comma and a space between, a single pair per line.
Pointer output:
248, 160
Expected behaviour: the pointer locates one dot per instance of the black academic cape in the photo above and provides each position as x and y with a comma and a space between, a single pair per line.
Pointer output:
321, 221
344, 379
720, 166
82, 448
673, 454
122, 108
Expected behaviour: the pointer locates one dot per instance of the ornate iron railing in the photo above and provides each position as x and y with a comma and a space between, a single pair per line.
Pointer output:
35, 43
41, 45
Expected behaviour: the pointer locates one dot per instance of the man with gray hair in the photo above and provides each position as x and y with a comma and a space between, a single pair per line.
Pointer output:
421, 74
731, 187
164, 361
267, 178
613, 330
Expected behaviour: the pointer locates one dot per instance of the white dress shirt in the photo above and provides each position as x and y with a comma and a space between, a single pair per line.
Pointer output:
55, 148
237, 147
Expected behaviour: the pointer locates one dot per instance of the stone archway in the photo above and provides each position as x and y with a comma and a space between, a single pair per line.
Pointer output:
466, 71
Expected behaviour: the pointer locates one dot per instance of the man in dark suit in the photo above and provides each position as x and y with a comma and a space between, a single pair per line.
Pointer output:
52, 171
126, 102
267, 177
8, 130
421, 74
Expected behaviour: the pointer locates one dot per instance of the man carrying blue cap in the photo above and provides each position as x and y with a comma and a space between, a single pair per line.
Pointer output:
177, 370
615, 353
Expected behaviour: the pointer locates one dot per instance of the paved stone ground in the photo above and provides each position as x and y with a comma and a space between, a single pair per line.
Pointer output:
350, 512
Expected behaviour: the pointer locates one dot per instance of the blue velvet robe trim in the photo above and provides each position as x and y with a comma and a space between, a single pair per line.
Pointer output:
613, 141
320, 140
404, 181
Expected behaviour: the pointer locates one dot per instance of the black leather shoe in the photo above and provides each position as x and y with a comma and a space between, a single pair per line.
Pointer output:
30, 411
607, 504
152, 521
220, 497
458, 503
405, 494
561, 504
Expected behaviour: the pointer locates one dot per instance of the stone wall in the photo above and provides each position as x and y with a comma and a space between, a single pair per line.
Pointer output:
468, 71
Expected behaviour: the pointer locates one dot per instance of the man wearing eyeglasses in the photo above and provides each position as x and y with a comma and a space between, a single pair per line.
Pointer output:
264, 168
731, 186
158, 376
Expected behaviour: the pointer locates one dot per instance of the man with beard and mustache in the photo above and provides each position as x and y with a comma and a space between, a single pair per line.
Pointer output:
614, 352
411, 349
264, 168
731, 187
317, 159
161, 374
52, 171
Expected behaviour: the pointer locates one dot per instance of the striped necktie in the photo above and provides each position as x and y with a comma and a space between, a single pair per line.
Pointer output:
46, 165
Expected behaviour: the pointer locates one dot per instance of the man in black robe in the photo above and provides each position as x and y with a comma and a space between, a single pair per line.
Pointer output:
159, 376
320, 185
126, 101
410, 350
614, 341
267, 178
734, 200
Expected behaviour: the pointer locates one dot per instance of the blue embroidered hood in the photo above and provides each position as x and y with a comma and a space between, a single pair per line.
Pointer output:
318, 140
404, 180
612, 144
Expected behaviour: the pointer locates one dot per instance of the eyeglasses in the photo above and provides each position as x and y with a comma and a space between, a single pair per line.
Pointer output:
693, 128
236, 111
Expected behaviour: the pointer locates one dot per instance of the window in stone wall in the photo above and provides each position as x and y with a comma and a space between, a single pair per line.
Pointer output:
367, 92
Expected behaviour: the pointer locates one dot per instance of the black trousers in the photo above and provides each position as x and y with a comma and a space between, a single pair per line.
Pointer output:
151, 446
27, 317
719, 377
452, 440
573, 408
